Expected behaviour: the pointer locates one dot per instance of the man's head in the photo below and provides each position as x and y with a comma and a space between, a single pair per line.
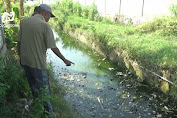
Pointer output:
37, 10
46, 12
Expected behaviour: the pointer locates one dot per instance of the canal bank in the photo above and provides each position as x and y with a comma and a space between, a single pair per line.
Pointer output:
145, 71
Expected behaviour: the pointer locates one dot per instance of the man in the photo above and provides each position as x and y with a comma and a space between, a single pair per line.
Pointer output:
37, 10
35, 37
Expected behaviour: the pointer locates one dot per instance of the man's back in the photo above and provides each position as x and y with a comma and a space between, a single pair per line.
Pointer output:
35, 36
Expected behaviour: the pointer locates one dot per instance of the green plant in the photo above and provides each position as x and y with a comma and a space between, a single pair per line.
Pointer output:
77, 9
150, 26
29, 9
163, 26
85, 11
11, 36
107, 21
173, 9
37, 108
92, 12
13, 85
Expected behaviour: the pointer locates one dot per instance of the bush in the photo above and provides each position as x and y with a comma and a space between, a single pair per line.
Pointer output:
93, 12
77, 9
163, 26
85, 11
70, 7
150, 26
13, 85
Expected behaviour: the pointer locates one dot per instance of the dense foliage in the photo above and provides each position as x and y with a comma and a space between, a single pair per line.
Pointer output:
163, 26
13, 86
67, 7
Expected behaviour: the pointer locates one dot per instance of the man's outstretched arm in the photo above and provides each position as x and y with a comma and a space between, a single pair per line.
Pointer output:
58, 53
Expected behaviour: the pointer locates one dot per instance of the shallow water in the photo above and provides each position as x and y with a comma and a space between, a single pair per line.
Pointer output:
100, 89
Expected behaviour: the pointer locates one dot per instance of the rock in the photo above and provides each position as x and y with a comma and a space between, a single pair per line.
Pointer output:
159, 115
23, 101
84, 76
92, 114
114, 107
119, 73
105, 75
110, 88
128, 85
93, 108
111, 69
71, 79
103, 59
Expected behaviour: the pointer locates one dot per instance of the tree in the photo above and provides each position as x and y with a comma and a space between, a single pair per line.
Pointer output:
7, 5
21, 10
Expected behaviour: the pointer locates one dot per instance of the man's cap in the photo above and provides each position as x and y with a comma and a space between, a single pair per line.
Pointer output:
47, 8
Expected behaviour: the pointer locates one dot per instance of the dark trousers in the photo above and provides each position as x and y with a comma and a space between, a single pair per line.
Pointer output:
39, 79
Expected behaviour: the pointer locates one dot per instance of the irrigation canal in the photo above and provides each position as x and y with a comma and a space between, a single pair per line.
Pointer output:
97, 88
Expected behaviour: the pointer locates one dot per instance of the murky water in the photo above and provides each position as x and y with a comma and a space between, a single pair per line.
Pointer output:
97, 88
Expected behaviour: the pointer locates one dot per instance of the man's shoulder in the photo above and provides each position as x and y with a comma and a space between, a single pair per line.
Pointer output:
46, 25
26, 19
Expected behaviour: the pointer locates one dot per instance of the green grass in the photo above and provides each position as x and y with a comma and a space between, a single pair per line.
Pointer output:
148, 48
